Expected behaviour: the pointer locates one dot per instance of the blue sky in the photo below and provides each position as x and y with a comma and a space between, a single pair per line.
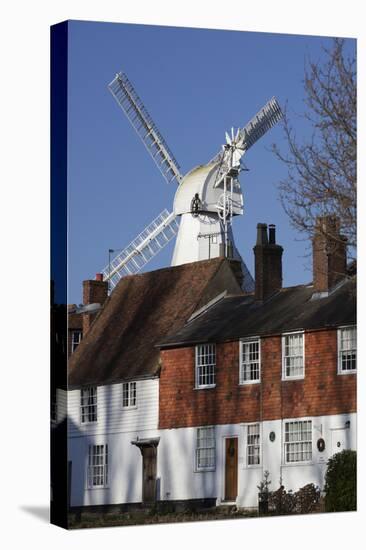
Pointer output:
196, 84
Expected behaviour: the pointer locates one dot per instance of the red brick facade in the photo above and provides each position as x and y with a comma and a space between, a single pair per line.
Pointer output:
321, 392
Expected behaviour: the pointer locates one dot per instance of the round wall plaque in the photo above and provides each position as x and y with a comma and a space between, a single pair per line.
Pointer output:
272, 436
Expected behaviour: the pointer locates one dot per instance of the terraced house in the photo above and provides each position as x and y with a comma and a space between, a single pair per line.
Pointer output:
185, 388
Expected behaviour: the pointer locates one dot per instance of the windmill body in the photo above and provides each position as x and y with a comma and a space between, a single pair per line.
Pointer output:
207, 198
201, 234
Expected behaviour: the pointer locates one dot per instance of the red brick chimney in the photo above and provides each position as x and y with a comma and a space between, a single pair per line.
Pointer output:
268, 263
94, 292
329, 253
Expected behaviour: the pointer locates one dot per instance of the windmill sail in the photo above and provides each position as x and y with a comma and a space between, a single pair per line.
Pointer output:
246, 137
142, 249
127, 98
263, 121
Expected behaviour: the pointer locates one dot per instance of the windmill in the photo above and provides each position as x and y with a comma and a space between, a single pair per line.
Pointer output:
207, 198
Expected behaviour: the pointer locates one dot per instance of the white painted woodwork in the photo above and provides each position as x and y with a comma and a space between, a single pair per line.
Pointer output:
176, 472
111, 416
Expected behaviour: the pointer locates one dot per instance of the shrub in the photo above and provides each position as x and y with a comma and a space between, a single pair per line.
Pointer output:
303, 501
340, 482
281, 502
307, 499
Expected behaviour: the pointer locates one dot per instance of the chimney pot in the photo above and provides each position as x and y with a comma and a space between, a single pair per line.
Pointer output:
272, 234
262, 237
99, 277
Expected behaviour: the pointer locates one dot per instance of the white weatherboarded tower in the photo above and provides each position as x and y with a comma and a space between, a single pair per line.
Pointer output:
207, 198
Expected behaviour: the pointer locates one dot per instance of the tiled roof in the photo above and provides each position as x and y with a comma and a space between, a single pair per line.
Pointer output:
290, 309
142, 310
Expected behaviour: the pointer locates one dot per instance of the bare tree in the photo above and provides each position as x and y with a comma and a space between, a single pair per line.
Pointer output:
321, 177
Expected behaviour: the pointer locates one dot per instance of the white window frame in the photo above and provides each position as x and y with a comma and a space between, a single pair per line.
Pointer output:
244, 342
202, 447
86, 409
248, 445
75, 344
339, 350
283, 345
206, 364
97, 466
286, 444
131, 395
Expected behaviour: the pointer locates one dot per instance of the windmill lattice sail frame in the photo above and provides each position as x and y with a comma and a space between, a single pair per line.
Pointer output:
142, 249
127, 98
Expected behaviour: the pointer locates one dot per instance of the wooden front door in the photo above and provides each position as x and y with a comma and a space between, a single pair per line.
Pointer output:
231, 468
148, 474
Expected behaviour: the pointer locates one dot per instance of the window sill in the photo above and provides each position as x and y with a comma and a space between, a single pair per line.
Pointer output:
342, 373
210, 387
204, 470
289, 378
291, 464
249, 383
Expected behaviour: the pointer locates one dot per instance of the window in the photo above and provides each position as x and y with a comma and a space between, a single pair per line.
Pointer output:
253, 445
98, 466
293, 355
129, 394
205, 365
76, 336
249, 361
347, 350
205, 449
298, 441
88, 404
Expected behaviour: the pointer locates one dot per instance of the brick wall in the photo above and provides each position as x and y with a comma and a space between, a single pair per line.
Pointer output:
322, 391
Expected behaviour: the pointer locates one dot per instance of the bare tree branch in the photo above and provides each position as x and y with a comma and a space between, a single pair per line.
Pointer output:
321, 172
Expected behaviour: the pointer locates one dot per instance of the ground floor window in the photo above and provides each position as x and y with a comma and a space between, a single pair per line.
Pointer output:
205, 449
253, 445
298, 441
98, 466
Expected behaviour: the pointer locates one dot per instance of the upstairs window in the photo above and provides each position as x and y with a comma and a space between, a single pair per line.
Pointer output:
129, 395
205, 449
205, 365
76, 336
253, 445
88, 404
298, 441
249, 361
293, 356
347, 350
97, 466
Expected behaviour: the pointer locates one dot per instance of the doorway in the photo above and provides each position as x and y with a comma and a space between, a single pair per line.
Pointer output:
231, 469
148, 474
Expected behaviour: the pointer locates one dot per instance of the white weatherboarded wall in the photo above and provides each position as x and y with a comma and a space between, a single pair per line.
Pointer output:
180, 480
177, 476
116, 427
